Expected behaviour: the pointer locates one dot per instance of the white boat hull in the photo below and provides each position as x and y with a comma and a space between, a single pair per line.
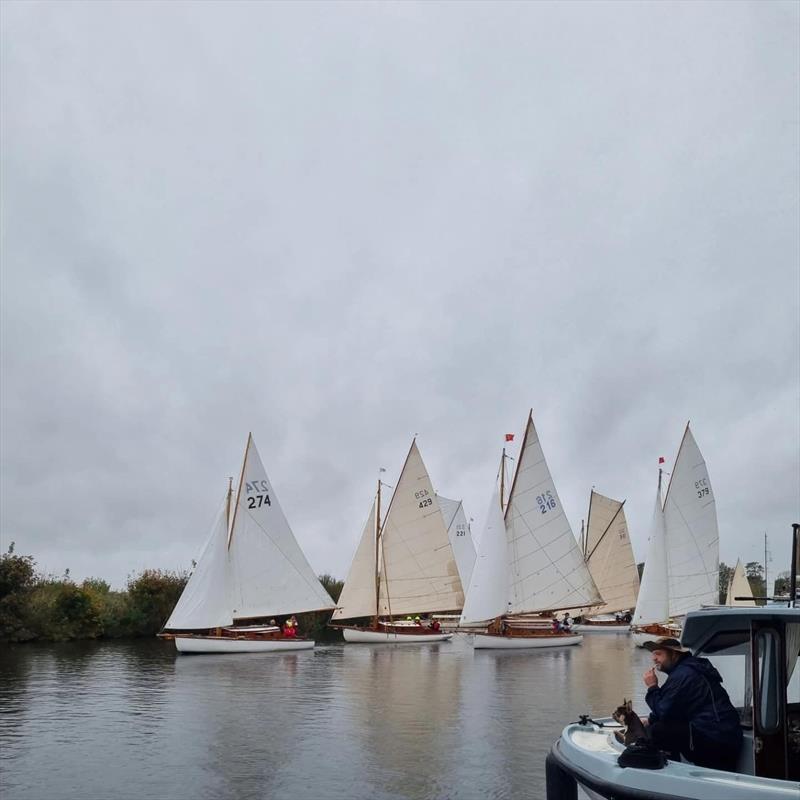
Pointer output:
360, 636
227, 644
589, 754
581, 628
487, 642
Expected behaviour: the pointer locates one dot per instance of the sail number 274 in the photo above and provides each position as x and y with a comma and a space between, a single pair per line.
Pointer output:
260, 499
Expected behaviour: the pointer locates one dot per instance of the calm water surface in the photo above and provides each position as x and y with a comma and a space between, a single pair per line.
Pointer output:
133, 720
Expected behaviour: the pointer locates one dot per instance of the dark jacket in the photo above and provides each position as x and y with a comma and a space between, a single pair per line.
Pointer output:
693, 694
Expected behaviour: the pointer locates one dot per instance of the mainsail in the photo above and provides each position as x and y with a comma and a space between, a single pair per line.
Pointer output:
547, 571
418, 568
691, 532
609, 554
487, 595
253, 569
652, 605
460, 535
739, 587
270, 574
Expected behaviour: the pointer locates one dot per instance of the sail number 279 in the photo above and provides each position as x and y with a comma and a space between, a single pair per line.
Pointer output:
424, 500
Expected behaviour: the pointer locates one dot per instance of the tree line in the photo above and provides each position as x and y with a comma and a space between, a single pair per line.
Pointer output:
34, 606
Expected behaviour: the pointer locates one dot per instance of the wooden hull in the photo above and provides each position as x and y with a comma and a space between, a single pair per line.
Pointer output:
369, 636
649, 633
602, 627
494, 641
228, 644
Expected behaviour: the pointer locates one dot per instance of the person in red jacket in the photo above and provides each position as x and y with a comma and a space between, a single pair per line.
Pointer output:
288, 630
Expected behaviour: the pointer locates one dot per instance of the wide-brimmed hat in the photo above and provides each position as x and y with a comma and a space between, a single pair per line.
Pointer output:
665, 643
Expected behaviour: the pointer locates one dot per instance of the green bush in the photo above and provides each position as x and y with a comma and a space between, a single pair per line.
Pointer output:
17, 576
151, 597
59, 610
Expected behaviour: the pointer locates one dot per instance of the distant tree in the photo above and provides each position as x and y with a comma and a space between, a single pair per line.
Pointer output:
725, 575
17, 577
333, 586
783, 583
755, 575
152, 595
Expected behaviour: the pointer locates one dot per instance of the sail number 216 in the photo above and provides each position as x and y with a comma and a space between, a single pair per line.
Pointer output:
546, 501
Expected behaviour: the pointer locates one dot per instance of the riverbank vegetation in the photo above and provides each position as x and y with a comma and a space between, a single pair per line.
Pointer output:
41, 607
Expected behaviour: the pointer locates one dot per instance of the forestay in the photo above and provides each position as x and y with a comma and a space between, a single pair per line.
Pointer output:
358, 593
460, 535
269, 573
546, 567
487, 594
610, 556
205, 601
652, 605
691, 533
418, 568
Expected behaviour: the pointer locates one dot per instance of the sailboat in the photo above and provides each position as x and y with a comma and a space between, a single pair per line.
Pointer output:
681, 572
609, 556
529, 564
740, 592
460, 535
250, 571
403, 566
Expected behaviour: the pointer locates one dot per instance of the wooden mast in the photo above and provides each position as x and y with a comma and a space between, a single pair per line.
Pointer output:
502, 478
239, 490
228, 504
377, 557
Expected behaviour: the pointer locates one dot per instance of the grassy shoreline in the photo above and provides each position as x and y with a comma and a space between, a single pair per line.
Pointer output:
36, 607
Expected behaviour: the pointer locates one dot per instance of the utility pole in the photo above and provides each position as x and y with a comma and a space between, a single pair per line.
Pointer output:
766, 583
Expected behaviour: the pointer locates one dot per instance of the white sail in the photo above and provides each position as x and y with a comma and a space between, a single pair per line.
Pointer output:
487, 594
546, 566
418, 568
691, 533
460, 535
358, 593
739, 587
610, 556
270, 574
653, 603
204, 602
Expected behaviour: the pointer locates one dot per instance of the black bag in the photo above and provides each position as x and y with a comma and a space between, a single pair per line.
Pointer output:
642, 755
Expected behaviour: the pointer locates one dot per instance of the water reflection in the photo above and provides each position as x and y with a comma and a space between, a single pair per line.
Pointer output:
132, 719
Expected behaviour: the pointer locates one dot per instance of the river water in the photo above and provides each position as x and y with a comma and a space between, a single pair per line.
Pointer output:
134, 720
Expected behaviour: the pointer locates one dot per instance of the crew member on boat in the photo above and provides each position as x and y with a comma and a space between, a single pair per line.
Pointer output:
691, 714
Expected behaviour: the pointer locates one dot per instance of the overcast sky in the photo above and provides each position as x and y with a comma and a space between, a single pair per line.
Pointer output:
338, 225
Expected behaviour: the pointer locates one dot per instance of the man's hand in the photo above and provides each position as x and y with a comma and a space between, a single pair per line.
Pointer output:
649, 678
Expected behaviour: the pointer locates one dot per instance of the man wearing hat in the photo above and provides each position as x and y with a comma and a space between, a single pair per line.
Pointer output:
691, 714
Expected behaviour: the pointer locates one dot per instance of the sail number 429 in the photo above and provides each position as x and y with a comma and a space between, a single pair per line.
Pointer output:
546, 501
424, 500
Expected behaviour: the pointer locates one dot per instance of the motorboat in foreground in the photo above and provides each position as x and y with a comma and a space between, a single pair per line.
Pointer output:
756, 650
